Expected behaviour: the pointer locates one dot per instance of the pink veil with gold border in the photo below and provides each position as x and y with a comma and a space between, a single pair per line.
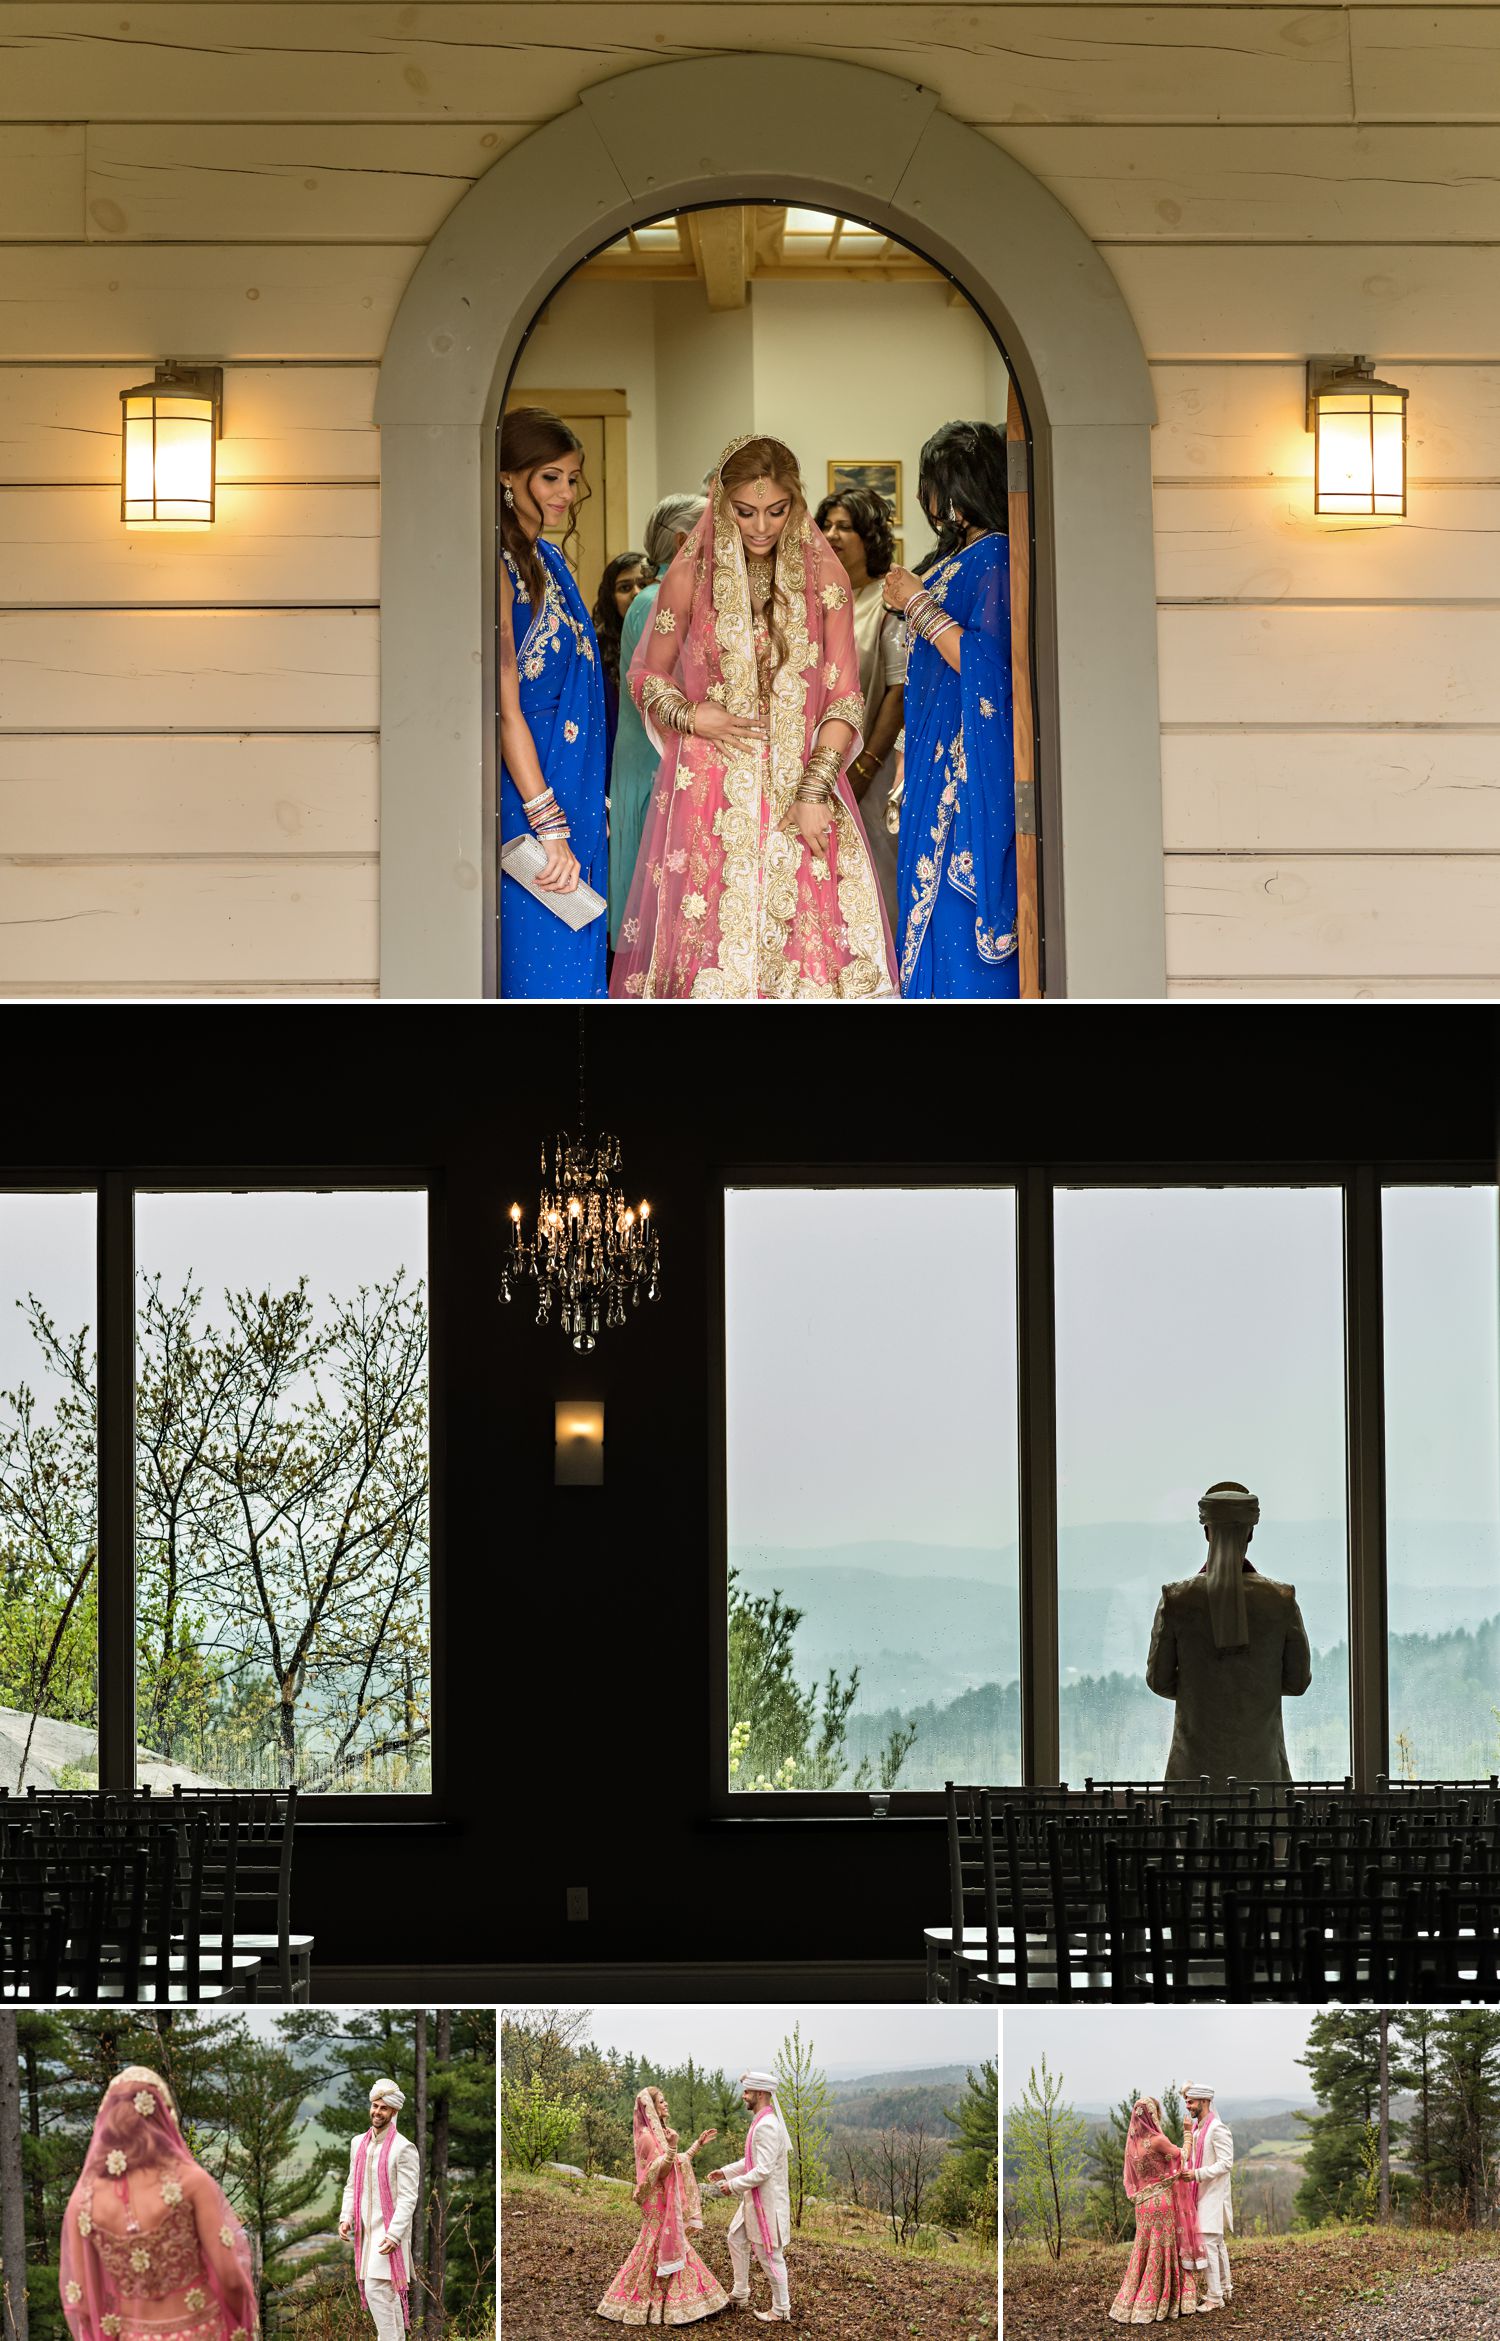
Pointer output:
727, 901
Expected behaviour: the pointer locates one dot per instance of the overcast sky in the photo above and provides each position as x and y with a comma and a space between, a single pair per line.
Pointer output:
872, 1353
871, 2039
1199, 1337
1103, 2052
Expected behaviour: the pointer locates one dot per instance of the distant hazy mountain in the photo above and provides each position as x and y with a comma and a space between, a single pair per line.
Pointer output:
926, 1624
849, 2081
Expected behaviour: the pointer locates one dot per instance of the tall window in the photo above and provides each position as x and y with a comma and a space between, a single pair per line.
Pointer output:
49, 1587
871, 1487
281, 1490
1442, 1448
1200, 1336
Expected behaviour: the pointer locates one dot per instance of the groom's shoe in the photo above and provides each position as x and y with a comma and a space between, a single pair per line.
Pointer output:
773, 2316
738, 2299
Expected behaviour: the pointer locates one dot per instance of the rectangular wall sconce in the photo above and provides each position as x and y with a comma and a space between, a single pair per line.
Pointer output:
579, 1450
169, 431
1359, 438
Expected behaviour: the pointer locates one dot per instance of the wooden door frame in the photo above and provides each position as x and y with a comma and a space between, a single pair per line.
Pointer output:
770, 130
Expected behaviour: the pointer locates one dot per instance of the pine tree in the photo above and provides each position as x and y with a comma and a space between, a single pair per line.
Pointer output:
1419, 2031
802, 2092
1466, 2110
1343, 2060
265, 2090
1110, 2207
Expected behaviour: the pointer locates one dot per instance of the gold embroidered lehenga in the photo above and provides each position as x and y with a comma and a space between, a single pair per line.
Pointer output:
728, 901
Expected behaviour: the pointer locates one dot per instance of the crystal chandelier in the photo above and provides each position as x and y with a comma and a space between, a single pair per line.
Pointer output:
591, 1248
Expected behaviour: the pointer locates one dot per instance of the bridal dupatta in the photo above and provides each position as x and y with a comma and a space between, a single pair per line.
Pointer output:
658, 2163
105, 2275
728, 902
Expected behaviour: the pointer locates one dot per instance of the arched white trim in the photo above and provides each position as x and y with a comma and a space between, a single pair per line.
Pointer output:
835, 135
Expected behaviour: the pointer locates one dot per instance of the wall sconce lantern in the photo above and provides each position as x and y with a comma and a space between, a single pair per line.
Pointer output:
1359, 438
579, 1443
169, 431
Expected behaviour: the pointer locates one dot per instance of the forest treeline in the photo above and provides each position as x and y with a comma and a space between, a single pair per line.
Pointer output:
272, 2120
1407, 2131
921, 2166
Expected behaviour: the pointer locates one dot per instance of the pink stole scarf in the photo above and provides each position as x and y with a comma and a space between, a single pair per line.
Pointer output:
1185, 2198
766, 2237
387, 2211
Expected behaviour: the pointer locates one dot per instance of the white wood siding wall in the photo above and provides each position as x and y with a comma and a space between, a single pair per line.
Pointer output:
187, 726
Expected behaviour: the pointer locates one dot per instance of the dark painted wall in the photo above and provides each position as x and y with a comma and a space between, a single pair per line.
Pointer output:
578, 1655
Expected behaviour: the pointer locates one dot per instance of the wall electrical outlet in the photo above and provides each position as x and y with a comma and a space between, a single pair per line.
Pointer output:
578, 1902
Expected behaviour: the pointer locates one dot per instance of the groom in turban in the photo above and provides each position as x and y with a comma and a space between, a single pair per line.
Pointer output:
763, 2222
1228, 1645
1209, 2148
380, 2196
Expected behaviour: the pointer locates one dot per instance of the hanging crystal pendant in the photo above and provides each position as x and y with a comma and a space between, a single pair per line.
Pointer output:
592, 1250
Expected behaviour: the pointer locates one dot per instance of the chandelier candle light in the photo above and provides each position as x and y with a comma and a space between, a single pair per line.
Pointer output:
591, 1248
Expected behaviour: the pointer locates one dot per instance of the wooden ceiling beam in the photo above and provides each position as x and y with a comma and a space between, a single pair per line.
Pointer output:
722, 249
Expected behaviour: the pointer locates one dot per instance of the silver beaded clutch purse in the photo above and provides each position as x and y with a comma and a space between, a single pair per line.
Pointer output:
524, 858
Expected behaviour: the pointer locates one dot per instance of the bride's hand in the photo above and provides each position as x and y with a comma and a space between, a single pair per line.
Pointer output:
815, 823
898, 586
713, 722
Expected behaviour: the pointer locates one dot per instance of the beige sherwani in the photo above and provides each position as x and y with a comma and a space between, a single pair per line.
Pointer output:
767, 2179
381, 2296
1228, 1701
1215, 2210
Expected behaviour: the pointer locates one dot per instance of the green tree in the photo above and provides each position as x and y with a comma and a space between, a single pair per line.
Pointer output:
1110, 2209
1047, 2142
534, 2125
802, 2092
1343, 2061
266, 2177
1466, 2109
1419, 2031
780, 1735
281, 1534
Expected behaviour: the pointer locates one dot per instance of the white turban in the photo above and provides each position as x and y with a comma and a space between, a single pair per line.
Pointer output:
1228, 1512
386, 2093
1197, 2090
758, 2081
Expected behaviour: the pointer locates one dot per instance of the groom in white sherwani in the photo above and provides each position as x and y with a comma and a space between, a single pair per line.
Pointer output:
763, 2222
380, 2196
1209, 2145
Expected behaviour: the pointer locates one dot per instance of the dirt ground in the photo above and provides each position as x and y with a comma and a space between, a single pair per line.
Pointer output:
559, 2251
1331, 2285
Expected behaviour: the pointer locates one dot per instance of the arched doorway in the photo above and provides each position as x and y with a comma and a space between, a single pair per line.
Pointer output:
685, 135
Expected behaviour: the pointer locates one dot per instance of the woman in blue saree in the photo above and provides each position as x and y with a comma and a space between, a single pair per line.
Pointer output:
956, 873
553, 745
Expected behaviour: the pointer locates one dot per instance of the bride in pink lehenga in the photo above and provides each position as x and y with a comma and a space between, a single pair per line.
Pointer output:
664, 2282
1161, 2282
754, 879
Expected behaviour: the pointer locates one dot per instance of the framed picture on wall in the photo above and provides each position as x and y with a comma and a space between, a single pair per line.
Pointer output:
883, 476
898, 552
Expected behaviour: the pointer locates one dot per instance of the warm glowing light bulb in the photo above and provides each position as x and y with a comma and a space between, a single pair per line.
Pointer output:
645, 1210
515, 1211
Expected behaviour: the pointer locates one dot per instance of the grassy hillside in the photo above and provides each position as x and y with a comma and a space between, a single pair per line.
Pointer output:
561, 2242
1335, 2284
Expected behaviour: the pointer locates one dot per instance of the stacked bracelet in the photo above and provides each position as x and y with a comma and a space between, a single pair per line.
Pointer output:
546, 816
820, 781
667, 705
926, 617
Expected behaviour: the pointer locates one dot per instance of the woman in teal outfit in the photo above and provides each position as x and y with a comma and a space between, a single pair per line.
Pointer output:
634, 766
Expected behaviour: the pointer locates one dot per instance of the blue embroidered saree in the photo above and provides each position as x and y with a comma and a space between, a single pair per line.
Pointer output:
956, 876
562, 699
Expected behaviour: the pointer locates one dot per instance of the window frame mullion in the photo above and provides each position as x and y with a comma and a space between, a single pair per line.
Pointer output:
1036, 1398
116, 1464
1364, 1369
